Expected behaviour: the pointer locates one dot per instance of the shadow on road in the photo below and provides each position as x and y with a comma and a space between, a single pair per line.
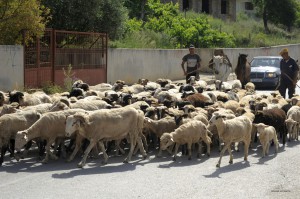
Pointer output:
228, 168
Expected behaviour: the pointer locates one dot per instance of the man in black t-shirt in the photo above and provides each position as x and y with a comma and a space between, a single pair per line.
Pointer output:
289, 74
193, 64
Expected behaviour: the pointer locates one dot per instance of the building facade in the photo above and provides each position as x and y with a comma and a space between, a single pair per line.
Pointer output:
224, 9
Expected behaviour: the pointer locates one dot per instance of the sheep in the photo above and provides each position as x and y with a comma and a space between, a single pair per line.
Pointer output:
10, 124
188, 133
3, 98
273, 117
223, 86
25, 99
250, 86
233, 130
266, 134
231, 105
110, 124
158, 127
49, 127
198, 100
9, 108
64, 104
293, 120
292, 128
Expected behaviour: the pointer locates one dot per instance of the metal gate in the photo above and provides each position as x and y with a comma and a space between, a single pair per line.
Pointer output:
47, 57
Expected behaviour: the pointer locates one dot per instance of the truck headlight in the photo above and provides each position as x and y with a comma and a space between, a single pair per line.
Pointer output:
271, 75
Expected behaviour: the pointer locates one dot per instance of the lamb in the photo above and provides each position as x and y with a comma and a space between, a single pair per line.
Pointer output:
292, 122
108, 124
292, 128
266, 134
188, 133
49, 127
10, 124
233, 130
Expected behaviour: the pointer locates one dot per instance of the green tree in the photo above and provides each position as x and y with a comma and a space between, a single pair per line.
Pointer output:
93, 15
17, 16
277, 11
137, 8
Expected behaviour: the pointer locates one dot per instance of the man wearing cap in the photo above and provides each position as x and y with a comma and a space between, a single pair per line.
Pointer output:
289, 73
193, 64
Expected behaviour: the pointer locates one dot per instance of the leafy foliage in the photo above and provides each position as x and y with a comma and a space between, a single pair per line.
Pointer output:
17, 16
92, 16
166, 19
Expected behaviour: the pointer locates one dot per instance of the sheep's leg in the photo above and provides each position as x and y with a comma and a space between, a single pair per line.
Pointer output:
133, 140
78, 142
207, 142
141, 147
121, 150
48, 152
199, 149
230, 155
222, 153
276, 145
3, 151
12, 148
264, 149
268, 147
176, 151
105, 156
189, 146
86, 153
246, 149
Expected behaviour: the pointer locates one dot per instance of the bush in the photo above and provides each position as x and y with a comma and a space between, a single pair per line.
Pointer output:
50, 88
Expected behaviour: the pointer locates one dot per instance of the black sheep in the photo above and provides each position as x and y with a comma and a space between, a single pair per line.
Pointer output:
15, 96
274, 117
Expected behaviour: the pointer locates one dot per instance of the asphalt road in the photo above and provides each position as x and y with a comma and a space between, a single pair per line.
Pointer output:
275, 176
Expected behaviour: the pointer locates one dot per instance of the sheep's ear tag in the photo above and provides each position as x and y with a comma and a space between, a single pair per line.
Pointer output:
172, 140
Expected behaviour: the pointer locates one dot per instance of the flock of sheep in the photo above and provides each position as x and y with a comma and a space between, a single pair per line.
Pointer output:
145, 116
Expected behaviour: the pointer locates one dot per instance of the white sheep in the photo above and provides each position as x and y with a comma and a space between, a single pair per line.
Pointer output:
233, 130
292, 122
188, 133
88, 105
114, 124
250, 86
49, 127
10, 124
266, 134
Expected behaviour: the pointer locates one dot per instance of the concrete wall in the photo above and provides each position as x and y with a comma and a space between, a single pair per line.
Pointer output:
131, 64
12, 69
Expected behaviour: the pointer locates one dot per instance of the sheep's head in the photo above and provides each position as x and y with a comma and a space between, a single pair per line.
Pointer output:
216, 117
240, 111
21, 139
75, 122
166, 140
292, 125
260, 126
